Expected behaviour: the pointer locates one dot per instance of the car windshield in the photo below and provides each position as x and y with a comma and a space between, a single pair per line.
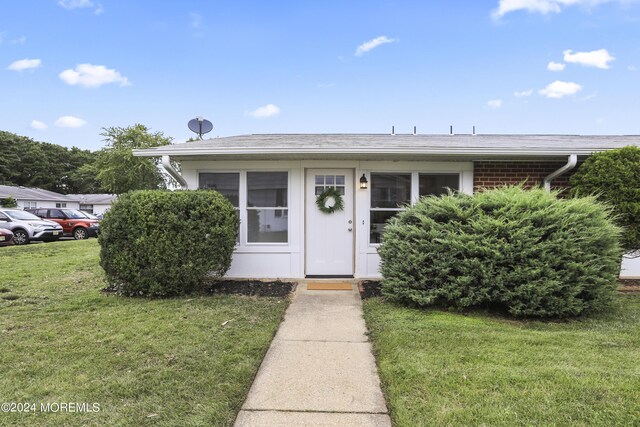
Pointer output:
22, 215
74, 214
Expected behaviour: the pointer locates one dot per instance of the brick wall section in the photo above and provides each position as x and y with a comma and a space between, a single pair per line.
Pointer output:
490, 174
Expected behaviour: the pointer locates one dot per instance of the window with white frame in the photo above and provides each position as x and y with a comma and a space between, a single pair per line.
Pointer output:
30, 205
267, 207
61, 205
390, 193
87, 208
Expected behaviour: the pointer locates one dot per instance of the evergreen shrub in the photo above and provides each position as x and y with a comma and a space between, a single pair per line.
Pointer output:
614, 176
162, 243
526, 252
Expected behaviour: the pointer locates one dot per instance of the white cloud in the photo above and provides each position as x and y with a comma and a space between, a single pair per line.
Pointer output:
82, 4
70, 122
195, 20
37, 125
596, 58
555, 66
495, 103
325, 85
544, 6
89, 75
632, 68
19, 40
25, 64
372, 44
523, 93
559, 89
269, 110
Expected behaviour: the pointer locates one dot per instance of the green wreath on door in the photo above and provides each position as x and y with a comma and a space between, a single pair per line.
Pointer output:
325, 197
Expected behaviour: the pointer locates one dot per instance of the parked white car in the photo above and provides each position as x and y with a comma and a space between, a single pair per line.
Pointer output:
27, 227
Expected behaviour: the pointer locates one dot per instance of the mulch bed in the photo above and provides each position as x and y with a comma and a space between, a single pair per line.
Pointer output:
369, 289
629, 286
250, 288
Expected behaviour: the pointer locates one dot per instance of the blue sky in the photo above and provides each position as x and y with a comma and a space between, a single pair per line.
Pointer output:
70, 67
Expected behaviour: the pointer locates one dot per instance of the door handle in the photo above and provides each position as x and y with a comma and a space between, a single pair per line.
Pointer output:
349, 229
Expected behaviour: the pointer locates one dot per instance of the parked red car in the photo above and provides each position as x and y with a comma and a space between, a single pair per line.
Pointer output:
74, 223
6, 237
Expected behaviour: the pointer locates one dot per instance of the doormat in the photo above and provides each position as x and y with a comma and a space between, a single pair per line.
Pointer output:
329, 286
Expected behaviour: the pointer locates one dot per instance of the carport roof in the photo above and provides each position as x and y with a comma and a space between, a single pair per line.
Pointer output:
272, 146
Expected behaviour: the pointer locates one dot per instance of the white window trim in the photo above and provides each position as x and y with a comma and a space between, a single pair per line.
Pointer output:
244, 245
414, 197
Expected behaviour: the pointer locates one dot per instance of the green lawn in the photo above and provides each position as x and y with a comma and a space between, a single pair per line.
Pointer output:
145, 362
441, 368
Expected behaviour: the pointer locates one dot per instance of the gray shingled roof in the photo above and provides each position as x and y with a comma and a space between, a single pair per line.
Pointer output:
93, 199
25, 193
353, 145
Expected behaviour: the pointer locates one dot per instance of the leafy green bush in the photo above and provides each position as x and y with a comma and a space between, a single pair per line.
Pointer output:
614, 176
8, 202
524, 251
163, 243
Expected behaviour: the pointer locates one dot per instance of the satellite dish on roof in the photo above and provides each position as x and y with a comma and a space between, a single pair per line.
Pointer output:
200, 126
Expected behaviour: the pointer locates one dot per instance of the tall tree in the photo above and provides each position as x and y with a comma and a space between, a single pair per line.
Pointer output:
26, 162
118, 170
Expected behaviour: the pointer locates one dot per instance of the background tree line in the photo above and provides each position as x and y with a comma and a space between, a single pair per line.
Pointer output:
113, 169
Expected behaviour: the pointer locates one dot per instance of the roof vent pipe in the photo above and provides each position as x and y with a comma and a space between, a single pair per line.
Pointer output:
450, 129
571, 163
473, 132
415, 130
393, 130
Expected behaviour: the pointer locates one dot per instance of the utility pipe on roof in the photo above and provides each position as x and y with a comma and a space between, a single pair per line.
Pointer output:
571, 163
166, 164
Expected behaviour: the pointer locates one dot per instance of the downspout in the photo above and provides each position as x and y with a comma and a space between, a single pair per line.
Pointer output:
166, 164
571, 163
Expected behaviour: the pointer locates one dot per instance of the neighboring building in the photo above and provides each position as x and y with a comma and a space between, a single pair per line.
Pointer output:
37, 197
94, 203
274, 180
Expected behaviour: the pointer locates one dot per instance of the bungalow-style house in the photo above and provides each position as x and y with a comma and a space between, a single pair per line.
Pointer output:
285, 187
27, 197
95, 204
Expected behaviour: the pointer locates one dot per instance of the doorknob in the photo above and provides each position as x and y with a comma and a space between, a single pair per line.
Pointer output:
349, 229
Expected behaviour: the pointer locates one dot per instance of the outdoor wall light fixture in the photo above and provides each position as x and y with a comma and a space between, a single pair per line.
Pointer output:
363, 182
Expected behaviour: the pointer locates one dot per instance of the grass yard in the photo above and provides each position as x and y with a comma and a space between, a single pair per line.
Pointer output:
441, 368
184, 361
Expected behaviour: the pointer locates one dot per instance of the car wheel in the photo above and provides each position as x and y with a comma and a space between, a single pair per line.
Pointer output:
20, 237
80, 233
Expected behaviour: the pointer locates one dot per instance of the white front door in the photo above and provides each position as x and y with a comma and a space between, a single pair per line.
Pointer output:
329, 236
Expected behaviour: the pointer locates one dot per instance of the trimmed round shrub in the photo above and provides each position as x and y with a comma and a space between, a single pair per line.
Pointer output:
526, 252
614, 176
164, 243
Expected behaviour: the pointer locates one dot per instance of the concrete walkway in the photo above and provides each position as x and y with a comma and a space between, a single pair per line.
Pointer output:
319, 370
